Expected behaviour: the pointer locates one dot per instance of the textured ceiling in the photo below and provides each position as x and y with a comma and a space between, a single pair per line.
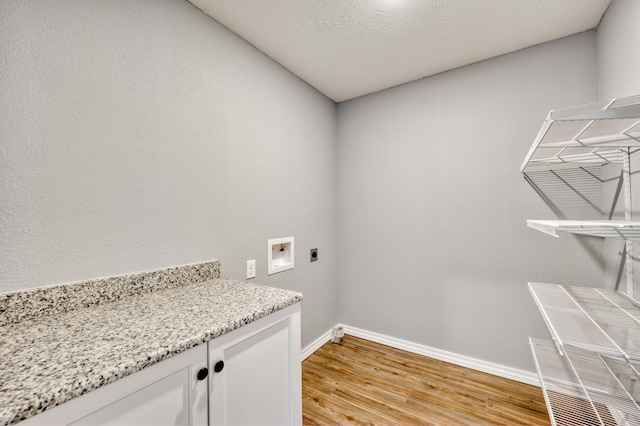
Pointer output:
349, 48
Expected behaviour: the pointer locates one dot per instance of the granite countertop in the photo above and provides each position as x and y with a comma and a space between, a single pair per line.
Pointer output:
47, 360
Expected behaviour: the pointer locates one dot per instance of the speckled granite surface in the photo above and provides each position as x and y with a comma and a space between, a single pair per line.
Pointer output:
19, 305
48, 360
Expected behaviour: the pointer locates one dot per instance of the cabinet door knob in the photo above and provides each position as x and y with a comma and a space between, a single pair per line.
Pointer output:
203, 373
218, 367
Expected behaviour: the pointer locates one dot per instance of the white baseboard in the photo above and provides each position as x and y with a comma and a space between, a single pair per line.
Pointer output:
461, 360
316, 344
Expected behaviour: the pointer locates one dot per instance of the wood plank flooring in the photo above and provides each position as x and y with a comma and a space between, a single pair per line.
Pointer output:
360, 382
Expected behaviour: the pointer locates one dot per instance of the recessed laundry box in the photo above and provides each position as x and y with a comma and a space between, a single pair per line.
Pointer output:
280, 256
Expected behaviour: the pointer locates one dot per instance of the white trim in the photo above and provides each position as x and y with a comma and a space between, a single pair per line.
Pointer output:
461, 360
316, 344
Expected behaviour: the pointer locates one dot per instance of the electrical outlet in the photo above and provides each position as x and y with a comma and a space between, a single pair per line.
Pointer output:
314, 255
251, 269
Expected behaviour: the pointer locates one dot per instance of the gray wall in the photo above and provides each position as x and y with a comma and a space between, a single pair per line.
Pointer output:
618, 41
432, 207
142, 135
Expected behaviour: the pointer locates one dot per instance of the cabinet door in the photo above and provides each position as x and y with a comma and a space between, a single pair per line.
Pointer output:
167, 393
260, 382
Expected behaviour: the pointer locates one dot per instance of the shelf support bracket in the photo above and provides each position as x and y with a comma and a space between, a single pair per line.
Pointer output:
628, 216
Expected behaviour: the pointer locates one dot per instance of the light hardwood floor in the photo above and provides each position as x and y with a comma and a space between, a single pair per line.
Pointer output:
361, 382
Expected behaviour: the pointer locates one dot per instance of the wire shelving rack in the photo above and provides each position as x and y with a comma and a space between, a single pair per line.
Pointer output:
590, 371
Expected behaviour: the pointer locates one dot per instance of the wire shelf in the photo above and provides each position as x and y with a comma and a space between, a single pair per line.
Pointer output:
598, 320
591, 375
586, 388
599, 133
596, 228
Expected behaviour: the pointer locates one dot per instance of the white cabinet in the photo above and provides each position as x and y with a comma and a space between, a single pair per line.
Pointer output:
259, 384
167, 393
259, 373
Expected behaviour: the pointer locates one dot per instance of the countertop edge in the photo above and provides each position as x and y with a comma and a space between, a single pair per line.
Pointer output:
47, 400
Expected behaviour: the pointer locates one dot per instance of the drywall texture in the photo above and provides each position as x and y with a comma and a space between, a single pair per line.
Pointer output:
432, 208
618, 41
142, 135
351, 48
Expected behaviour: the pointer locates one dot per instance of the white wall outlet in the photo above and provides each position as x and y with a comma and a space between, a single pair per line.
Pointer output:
280, 255
251, 269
